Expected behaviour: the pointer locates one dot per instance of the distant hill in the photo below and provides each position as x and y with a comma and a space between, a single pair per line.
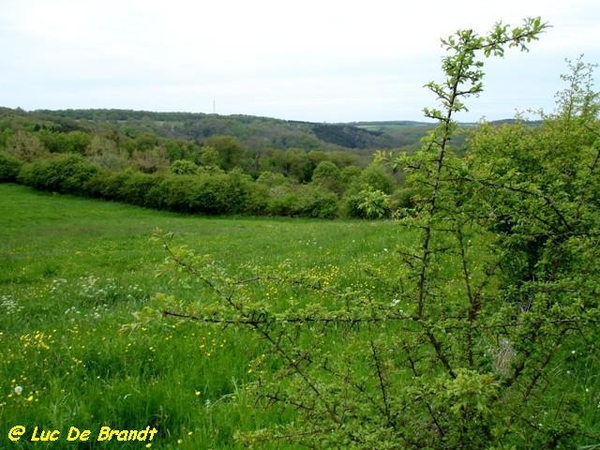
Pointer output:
252, 130
403, 132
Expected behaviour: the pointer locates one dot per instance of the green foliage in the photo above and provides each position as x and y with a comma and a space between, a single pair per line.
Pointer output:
203, 193
350, 136
376, 177
76, 142
256, 199
122, 141
105, 152
184, 193
271, 179
349, 173
151, 160
274, 133
283, 200
137, 188
209, 156
183, 167
403, 199
368, 203
109, 185
25, 146
543, 184
441, 344
231, 153
328, 176
294, 163
521, 195
374, 204
62, 173
9, 167
302, 201
207, 192
316, 202
222, 194
149, 142
74, 270
367, 196
5, 133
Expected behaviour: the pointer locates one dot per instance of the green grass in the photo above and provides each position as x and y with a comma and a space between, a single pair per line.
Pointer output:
75, 270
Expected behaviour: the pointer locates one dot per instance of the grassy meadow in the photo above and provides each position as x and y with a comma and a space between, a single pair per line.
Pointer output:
73, 272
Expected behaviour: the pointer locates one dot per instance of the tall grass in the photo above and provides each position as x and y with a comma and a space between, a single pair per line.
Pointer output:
74, 271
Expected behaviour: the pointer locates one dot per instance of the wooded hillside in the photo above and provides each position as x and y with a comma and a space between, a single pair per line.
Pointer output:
251, 130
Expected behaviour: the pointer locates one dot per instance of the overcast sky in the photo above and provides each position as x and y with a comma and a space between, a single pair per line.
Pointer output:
316, 60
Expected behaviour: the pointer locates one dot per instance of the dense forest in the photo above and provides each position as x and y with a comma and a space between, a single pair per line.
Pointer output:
203, 163
207, 163
251, 130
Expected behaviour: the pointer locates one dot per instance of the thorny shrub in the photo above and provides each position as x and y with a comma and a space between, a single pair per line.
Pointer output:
465, 344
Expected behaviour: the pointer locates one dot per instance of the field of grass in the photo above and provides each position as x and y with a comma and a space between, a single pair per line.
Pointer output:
73, 272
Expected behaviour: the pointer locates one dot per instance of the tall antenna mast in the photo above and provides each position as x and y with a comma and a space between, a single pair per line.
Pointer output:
214, 106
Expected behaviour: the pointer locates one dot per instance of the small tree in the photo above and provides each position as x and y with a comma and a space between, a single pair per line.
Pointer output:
183, 167
442, 356
209, 157
26, 146
327, 175
150, 161
374, 204
376, 177
231, 153
105, 152
9, 167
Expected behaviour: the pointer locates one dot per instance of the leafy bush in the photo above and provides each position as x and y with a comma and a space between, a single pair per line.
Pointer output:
368, 195
403, 198
108, 185
328, 176
204, 193
26, 146
76, 142
302, 201
350, 173
65, 173
376, 177
350, 204
183, 167
444, 347
137, 189
271, 179
9, 167
283, 200
235, 190
539, 194
317, 202
367, 203
176, 193
257, 199
374, 204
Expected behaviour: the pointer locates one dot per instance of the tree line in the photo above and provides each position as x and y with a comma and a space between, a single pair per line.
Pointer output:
218, 175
